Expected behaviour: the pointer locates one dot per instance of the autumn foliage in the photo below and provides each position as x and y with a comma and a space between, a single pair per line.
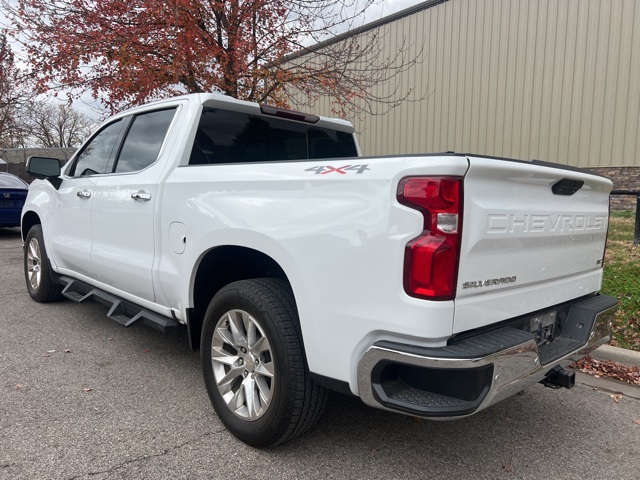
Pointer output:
126, 52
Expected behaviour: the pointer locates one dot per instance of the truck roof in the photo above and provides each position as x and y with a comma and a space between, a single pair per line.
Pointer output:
217, 100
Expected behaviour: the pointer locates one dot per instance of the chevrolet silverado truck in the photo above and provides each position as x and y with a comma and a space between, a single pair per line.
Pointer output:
432, 285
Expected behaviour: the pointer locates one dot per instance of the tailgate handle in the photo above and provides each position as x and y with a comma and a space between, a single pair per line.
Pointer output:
566, 186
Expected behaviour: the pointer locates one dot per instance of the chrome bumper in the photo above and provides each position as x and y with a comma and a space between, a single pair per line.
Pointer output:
500, 374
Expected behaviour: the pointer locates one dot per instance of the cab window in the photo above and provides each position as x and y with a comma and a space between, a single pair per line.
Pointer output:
94, 157
143, 140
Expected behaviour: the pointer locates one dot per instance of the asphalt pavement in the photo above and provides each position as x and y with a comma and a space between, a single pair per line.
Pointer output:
83, 397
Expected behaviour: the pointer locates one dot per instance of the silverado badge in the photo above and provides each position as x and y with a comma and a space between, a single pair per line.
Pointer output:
490, 282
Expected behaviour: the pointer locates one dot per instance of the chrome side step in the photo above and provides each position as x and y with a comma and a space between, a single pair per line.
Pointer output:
122, 311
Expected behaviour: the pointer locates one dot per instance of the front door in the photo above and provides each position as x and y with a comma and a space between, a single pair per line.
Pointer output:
70, 225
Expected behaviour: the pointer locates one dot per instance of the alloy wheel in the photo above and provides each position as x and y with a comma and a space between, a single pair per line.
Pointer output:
34, 264
243, 365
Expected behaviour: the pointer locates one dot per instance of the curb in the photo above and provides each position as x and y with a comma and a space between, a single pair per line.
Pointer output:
629, 358
608, 385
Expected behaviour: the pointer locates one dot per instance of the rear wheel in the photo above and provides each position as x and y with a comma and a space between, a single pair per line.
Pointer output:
38, 275
254, 365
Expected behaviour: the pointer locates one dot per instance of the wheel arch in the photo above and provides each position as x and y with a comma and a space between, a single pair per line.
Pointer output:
218, 267
29, 219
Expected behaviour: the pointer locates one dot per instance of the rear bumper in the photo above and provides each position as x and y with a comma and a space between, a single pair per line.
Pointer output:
480, 370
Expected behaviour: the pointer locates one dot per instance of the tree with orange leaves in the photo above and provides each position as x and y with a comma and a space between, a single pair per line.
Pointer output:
126, 52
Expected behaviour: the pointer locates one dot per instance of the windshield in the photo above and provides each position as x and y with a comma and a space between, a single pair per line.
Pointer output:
11, 181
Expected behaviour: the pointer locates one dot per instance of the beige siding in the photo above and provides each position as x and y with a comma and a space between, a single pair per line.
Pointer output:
557, 80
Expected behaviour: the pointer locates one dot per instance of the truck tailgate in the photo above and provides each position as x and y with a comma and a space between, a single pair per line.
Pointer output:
526, 244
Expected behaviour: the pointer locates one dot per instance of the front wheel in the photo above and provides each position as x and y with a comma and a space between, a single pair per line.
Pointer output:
254, 364
37, 271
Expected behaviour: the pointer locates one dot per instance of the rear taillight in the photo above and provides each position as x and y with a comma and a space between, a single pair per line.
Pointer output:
431, 259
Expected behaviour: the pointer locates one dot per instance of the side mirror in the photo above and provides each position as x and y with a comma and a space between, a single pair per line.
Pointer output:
45, 168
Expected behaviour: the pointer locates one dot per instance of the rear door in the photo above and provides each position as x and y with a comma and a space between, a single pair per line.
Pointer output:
532, 236
123, 216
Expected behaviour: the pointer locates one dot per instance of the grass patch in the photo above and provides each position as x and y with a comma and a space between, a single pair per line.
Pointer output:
622, 279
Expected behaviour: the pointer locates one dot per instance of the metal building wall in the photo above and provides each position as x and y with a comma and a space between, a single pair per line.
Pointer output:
557, 80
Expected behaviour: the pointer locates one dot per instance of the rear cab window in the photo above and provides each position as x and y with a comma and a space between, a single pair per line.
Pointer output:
225, 136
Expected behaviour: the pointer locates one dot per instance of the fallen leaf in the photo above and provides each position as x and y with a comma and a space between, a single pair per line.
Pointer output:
19, 386
508, 468
68, 351
637, 422
604, 368
87, 389
110, 339
616, 397
146, 350
416, 420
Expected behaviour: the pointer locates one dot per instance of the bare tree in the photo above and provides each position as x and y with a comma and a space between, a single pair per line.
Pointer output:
57, 126
355, 71
13, 97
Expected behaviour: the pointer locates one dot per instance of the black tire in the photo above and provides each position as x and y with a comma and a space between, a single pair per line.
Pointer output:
45, 288
296, 403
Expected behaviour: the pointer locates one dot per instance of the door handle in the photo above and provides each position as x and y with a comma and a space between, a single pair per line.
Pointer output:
84, 194
141, 195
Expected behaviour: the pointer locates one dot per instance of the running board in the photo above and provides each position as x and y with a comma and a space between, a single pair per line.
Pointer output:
123, 312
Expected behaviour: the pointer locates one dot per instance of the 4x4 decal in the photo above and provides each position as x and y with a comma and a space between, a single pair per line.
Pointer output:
325, 169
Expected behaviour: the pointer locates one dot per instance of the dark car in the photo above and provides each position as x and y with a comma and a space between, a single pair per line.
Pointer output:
13, 192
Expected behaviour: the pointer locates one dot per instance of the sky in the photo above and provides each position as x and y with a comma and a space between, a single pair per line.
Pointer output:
387, 7
87, 105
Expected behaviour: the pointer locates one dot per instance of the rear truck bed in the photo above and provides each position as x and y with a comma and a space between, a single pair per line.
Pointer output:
531, 241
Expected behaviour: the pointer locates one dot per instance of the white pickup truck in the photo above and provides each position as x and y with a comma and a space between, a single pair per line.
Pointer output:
433, 285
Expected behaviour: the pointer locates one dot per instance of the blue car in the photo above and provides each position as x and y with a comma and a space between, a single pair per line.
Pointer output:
13, 192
